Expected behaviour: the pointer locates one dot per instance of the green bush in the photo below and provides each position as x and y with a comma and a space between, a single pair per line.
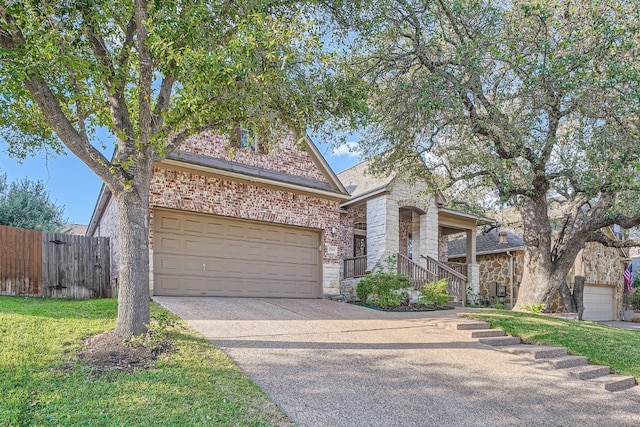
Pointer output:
434, 293
534, 308
383, 289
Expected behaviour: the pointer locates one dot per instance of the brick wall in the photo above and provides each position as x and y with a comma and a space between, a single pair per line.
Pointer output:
405, 228
353, 215
200, 192
190, 191
285, 158
108, 227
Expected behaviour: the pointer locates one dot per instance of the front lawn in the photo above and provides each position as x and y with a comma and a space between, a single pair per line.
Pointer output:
195, 385
602, 344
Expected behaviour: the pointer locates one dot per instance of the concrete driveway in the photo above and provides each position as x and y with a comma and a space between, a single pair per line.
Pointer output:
326, 363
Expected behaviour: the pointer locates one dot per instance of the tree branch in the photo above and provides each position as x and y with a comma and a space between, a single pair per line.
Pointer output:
600, 237
53, 113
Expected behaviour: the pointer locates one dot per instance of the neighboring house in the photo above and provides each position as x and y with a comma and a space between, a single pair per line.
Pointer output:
228, 219
388, 216
75, 229
500, 257
501, 264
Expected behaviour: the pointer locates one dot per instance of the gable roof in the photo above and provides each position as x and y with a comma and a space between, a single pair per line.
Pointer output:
360, 183
333, 187
235, 168
488, 243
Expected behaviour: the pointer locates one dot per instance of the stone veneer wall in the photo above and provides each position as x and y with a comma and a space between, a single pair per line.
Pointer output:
595, 256
196, 192
494, 268
285, 158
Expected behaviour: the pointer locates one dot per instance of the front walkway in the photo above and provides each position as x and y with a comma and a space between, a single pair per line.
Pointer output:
332, 364
622, 325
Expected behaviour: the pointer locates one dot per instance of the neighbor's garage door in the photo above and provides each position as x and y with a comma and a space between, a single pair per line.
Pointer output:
196, 254
598, 303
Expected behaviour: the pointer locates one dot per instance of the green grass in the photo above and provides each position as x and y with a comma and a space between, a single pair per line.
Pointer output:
197, 385
602, 344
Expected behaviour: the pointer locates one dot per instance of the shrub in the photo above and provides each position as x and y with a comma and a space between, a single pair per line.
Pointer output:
383, 288
534, 308
434, 293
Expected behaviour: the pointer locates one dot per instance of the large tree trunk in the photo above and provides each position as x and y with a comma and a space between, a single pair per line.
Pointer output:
536, 282
541, 279
578, 295
133, 234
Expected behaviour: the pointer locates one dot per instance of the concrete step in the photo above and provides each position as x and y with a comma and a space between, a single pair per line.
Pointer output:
614, 382
500, 341
485, 333
588, 372
537, 351
564, 362
457, 325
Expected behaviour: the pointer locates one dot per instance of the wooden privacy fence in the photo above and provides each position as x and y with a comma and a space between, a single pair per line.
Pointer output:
39, 263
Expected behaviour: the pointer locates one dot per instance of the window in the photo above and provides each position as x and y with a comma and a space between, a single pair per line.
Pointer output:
361, 225
246, 139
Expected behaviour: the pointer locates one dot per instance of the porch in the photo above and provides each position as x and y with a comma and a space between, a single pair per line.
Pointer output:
417, 236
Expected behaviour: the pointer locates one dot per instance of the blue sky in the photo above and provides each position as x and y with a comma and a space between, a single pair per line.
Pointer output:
73, 185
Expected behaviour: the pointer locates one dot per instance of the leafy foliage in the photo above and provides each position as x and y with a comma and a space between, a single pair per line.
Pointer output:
534, 308
514, 103
434, 293
153, 73
383, 287
26, 204
158, 336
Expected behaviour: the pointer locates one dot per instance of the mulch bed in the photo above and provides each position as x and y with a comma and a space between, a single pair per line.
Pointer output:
405, 307
107, 351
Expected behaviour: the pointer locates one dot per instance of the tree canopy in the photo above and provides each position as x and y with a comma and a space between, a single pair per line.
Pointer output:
153, 72
523, 102
26, 204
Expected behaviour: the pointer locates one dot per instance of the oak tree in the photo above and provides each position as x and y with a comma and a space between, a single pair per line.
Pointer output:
525, 102
151, 73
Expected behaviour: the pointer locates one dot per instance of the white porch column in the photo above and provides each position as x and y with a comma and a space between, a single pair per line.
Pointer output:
376, 230
429, 233
383, 229
473, 269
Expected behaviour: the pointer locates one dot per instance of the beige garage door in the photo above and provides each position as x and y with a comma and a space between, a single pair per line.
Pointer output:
598, 303
197, 254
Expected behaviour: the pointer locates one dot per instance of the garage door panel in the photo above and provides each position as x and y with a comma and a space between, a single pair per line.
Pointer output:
241, 258
194, 226
169, 243
169, 223
215, 228
598, 303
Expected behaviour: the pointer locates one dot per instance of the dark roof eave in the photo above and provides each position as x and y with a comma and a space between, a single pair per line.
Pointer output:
216, 164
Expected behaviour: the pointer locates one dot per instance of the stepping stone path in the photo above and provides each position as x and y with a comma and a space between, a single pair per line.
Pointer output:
552, 357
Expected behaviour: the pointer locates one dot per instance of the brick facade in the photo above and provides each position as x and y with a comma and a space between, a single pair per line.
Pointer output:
195, 191
405, 229
354, 214
285, 158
